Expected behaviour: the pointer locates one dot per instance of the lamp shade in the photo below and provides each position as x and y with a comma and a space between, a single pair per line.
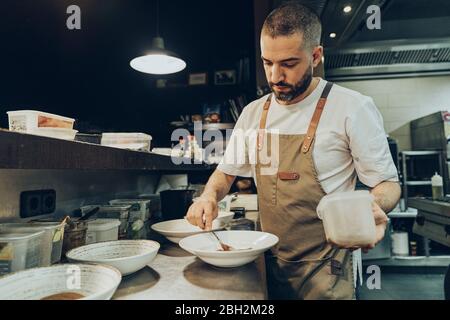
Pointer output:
158, 60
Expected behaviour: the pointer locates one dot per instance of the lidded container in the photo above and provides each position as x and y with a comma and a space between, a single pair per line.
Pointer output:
100, 230
120, 212
127, 140
348, 218
20, 251
30, 120
47, 244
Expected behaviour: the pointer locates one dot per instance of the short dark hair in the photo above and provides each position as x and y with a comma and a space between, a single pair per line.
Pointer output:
292, 17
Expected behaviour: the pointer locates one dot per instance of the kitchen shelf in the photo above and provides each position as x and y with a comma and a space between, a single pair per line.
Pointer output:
26, 151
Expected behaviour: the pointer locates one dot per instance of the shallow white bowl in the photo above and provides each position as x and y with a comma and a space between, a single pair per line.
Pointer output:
128, 256
94, 282
175, 230
205, 246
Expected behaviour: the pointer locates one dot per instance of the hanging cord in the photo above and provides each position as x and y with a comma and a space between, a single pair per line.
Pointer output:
157, 18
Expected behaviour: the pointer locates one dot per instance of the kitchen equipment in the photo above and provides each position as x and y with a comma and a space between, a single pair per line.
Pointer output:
348, 218
177, 229
100, 230
140, 208
89, 282
120, 212
431, 132
128, 256
127, 140
27, 120
204, 246
175, 203
89, 214
74, 235
20, 250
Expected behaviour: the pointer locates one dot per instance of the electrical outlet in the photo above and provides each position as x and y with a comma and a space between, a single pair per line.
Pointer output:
37, 202
48, 201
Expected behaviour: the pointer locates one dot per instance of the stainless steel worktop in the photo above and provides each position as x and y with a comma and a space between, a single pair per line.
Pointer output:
177, 275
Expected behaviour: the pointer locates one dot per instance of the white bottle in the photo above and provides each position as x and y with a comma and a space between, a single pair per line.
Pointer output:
437, 186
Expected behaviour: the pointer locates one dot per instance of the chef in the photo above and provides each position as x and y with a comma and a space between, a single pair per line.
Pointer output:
306, 139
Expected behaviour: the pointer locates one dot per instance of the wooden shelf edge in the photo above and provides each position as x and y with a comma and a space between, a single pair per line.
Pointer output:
26, 151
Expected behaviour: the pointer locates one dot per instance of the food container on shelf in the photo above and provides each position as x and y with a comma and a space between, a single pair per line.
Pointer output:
57, 133
140, 208
348, 218
20, 250
127, 140
27, 120
100, 230
120, 212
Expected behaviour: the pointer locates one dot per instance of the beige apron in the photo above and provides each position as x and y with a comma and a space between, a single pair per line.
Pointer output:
303, 265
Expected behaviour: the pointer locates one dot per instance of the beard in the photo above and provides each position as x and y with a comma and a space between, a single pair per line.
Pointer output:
295, 90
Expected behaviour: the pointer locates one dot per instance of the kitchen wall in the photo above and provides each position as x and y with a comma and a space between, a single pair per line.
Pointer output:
74, 188
405, 99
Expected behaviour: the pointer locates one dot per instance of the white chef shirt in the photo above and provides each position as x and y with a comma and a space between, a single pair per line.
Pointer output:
350, 138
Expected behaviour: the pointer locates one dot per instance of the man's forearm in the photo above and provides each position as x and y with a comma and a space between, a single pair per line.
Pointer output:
387, 195
218, 185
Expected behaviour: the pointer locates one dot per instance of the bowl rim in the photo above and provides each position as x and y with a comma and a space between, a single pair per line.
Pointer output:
227, 214
61, 265
233, 252
98, 261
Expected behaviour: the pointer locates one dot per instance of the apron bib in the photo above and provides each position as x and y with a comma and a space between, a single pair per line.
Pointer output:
303, 265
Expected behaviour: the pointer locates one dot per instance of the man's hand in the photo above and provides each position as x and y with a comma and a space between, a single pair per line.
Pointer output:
202, 212
381, 221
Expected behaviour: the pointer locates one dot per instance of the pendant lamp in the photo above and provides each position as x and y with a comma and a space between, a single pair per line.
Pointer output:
158, 60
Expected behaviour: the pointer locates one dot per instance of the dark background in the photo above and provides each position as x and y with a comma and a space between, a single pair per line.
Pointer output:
85, 74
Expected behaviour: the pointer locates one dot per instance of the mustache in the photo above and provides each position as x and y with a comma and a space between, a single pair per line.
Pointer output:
281, 84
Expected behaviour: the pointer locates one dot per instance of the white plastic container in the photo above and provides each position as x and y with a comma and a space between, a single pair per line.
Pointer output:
140, 208
101, 230
57, 133
437, 186
348, 218
127, 140
20, 250
27, 120
120, 212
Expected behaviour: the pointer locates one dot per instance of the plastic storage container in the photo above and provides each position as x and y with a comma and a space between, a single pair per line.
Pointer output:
125, 140
348, 218
120, 212
46, 245
140, 208
20, 250
57, 133
28, 120
100, 230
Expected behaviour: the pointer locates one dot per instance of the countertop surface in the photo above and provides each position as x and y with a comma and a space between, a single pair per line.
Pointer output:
177, 275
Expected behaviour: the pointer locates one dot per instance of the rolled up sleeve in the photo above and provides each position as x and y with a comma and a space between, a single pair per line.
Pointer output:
369, 146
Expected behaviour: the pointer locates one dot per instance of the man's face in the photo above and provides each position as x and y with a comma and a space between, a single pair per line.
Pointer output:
288, 65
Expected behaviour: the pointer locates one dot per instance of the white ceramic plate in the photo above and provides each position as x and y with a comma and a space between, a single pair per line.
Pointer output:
92, 282
205, 246
128, 256
175, 230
